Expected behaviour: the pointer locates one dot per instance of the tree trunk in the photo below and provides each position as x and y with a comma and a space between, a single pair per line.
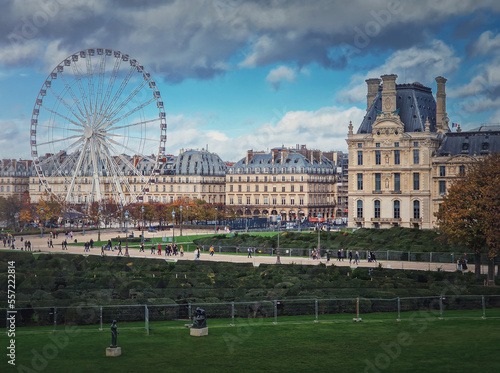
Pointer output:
477, 265
491, 272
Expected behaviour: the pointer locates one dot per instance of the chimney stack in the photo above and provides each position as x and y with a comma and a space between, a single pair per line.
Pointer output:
441, 115
389, 93
249, 156
373, 85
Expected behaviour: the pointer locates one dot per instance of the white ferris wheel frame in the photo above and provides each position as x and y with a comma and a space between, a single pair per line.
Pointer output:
94, 113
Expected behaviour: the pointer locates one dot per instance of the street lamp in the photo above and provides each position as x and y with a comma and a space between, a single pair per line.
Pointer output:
41, 223
126, 232
121, 219
246, 219
83, 224
180, 208
142, 216
215, 226
319, 230
278, 261
173, 226
99, 224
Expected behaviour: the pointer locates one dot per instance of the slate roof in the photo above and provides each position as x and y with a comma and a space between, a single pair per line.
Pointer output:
263, 162
479, 141
415, 103
199, 162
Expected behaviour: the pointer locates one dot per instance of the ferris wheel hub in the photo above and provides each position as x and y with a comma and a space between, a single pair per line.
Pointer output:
88, 132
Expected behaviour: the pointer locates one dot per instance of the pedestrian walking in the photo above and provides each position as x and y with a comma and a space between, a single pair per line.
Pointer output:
356, 258
350, 256
249, 252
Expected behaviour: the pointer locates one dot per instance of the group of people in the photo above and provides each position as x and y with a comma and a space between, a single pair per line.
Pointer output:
108, 246
372, 257
462, 263
9, 242
341, 256
169, 249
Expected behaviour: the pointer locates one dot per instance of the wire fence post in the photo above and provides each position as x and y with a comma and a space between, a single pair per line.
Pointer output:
100, 317
399, 309
55, 318
440, 307
189, 312
275, 312
146, 318
484, 307
232, 313
316, 310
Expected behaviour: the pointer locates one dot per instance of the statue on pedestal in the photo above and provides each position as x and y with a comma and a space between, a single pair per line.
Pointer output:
200, 320
114, 334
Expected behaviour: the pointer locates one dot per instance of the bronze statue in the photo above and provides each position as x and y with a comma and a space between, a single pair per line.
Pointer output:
200, 320
114, 334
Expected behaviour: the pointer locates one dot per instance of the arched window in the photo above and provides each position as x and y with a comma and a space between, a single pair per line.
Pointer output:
377, 209
360, 209
416, 209
397, 209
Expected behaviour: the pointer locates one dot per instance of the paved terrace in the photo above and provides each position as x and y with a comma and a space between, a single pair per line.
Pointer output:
40, 244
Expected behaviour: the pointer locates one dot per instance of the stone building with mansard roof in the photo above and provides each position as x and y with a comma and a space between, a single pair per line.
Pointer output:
403, 157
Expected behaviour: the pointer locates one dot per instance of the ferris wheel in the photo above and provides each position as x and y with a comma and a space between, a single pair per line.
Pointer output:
98, 129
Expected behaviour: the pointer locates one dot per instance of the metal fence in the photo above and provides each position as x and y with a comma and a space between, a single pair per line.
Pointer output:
272, 311
384, 255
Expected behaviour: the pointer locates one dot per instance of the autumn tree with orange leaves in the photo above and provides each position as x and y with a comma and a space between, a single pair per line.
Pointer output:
470, 212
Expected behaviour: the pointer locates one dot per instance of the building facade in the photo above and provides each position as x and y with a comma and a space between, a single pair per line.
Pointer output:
193, 174
14, 178
458, 151
390, 156
403, 157
292, 183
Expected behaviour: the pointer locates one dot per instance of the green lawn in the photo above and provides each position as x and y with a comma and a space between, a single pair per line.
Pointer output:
421, 345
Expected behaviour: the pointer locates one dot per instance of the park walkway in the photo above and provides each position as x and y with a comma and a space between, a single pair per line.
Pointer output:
40, 244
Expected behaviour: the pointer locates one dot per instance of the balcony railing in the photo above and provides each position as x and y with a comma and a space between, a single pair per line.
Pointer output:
386, 220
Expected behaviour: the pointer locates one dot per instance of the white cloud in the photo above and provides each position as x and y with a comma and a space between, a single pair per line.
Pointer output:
14, 54
421, 64
14, 134
323, 129
487, 43
485, 83
280, 74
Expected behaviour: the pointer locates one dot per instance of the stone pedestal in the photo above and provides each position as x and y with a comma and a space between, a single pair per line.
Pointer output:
198, 332
113, 351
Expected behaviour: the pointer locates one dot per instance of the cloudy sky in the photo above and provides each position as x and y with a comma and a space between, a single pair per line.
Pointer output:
237, 75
